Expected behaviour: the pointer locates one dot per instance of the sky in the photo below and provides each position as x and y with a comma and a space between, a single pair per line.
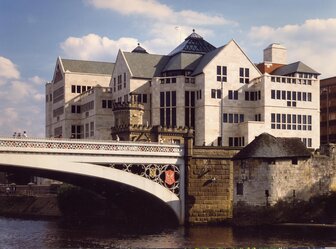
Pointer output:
33, 33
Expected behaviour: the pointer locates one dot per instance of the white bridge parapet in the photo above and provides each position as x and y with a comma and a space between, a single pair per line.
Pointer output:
73, 146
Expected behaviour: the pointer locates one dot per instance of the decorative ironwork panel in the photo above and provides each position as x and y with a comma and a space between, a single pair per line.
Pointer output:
167, 175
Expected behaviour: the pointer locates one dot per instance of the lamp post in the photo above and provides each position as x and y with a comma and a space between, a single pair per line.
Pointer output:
221, 109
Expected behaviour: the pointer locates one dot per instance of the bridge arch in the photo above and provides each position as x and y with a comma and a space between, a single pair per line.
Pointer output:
71, 165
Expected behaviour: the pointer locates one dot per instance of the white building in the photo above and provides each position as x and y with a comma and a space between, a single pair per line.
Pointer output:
219, 92
79, 100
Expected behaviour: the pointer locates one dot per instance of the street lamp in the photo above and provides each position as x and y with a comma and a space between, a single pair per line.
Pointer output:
222, 103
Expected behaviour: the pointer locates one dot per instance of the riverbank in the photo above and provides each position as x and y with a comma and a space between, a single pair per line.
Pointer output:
29, 206
318, 210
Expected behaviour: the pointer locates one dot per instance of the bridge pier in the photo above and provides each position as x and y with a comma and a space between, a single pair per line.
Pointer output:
209, 183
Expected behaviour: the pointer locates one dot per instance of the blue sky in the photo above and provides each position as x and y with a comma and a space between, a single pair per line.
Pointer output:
33, 33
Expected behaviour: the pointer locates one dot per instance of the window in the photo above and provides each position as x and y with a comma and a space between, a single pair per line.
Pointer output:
199, 94
230, 141
87, 130
244, 75
78, 89
189, 108
168, 108
83, 89
219, 94
241, 118
309, 97
230, 118
58, 94
225, 118
73, 88
221, 73
278, 93
144, 98
240, 188
233, 94
124, 80
119, 82
299, 96
283, 95
213, 93
289, 95
91, 129
304, 96
76, 131
233, 118
272, 94
247, 95
104, 104
216, 93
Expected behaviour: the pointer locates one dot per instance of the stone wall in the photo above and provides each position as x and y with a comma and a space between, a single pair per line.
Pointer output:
260, 182
209, 184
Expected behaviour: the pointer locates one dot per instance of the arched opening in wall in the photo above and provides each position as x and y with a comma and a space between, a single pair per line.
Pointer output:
112, 202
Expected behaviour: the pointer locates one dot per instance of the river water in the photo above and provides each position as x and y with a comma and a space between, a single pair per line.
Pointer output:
29, 234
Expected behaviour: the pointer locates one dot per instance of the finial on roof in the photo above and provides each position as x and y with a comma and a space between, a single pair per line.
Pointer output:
139, 49
193, 30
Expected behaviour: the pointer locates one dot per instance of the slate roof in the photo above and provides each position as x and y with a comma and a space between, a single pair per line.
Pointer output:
92, 67
139, 49
268, 146
194, 43
296, 67
182, 61
205, 60
144, 65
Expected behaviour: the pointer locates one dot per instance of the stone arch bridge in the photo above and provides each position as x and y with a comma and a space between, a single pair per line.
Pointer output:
157, 169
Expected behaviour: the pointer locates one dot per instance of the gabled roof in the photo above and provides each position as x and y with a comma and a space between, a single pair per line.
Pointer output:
194, 43
268, 146
205, 60
296, 67
182, 61
144, 65
91, 67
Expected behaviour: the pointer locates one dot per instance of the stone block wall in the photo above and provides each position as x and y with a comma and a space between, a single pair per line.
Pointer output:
209, 185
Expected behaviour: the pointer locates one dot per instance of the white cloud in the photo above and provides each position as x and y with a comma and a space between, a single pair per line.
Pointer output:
21, 101
159, 20
313, 42
94, 47
148, 8
153, 9
8, 70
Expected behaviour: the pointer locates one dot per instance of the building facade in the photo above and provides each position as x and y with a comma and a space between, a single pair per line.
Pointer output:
79, 100
219, 92
328, 110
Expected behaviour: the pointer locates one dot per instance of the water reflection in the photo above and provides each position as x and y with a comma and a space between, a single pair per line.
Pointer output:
16, 233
